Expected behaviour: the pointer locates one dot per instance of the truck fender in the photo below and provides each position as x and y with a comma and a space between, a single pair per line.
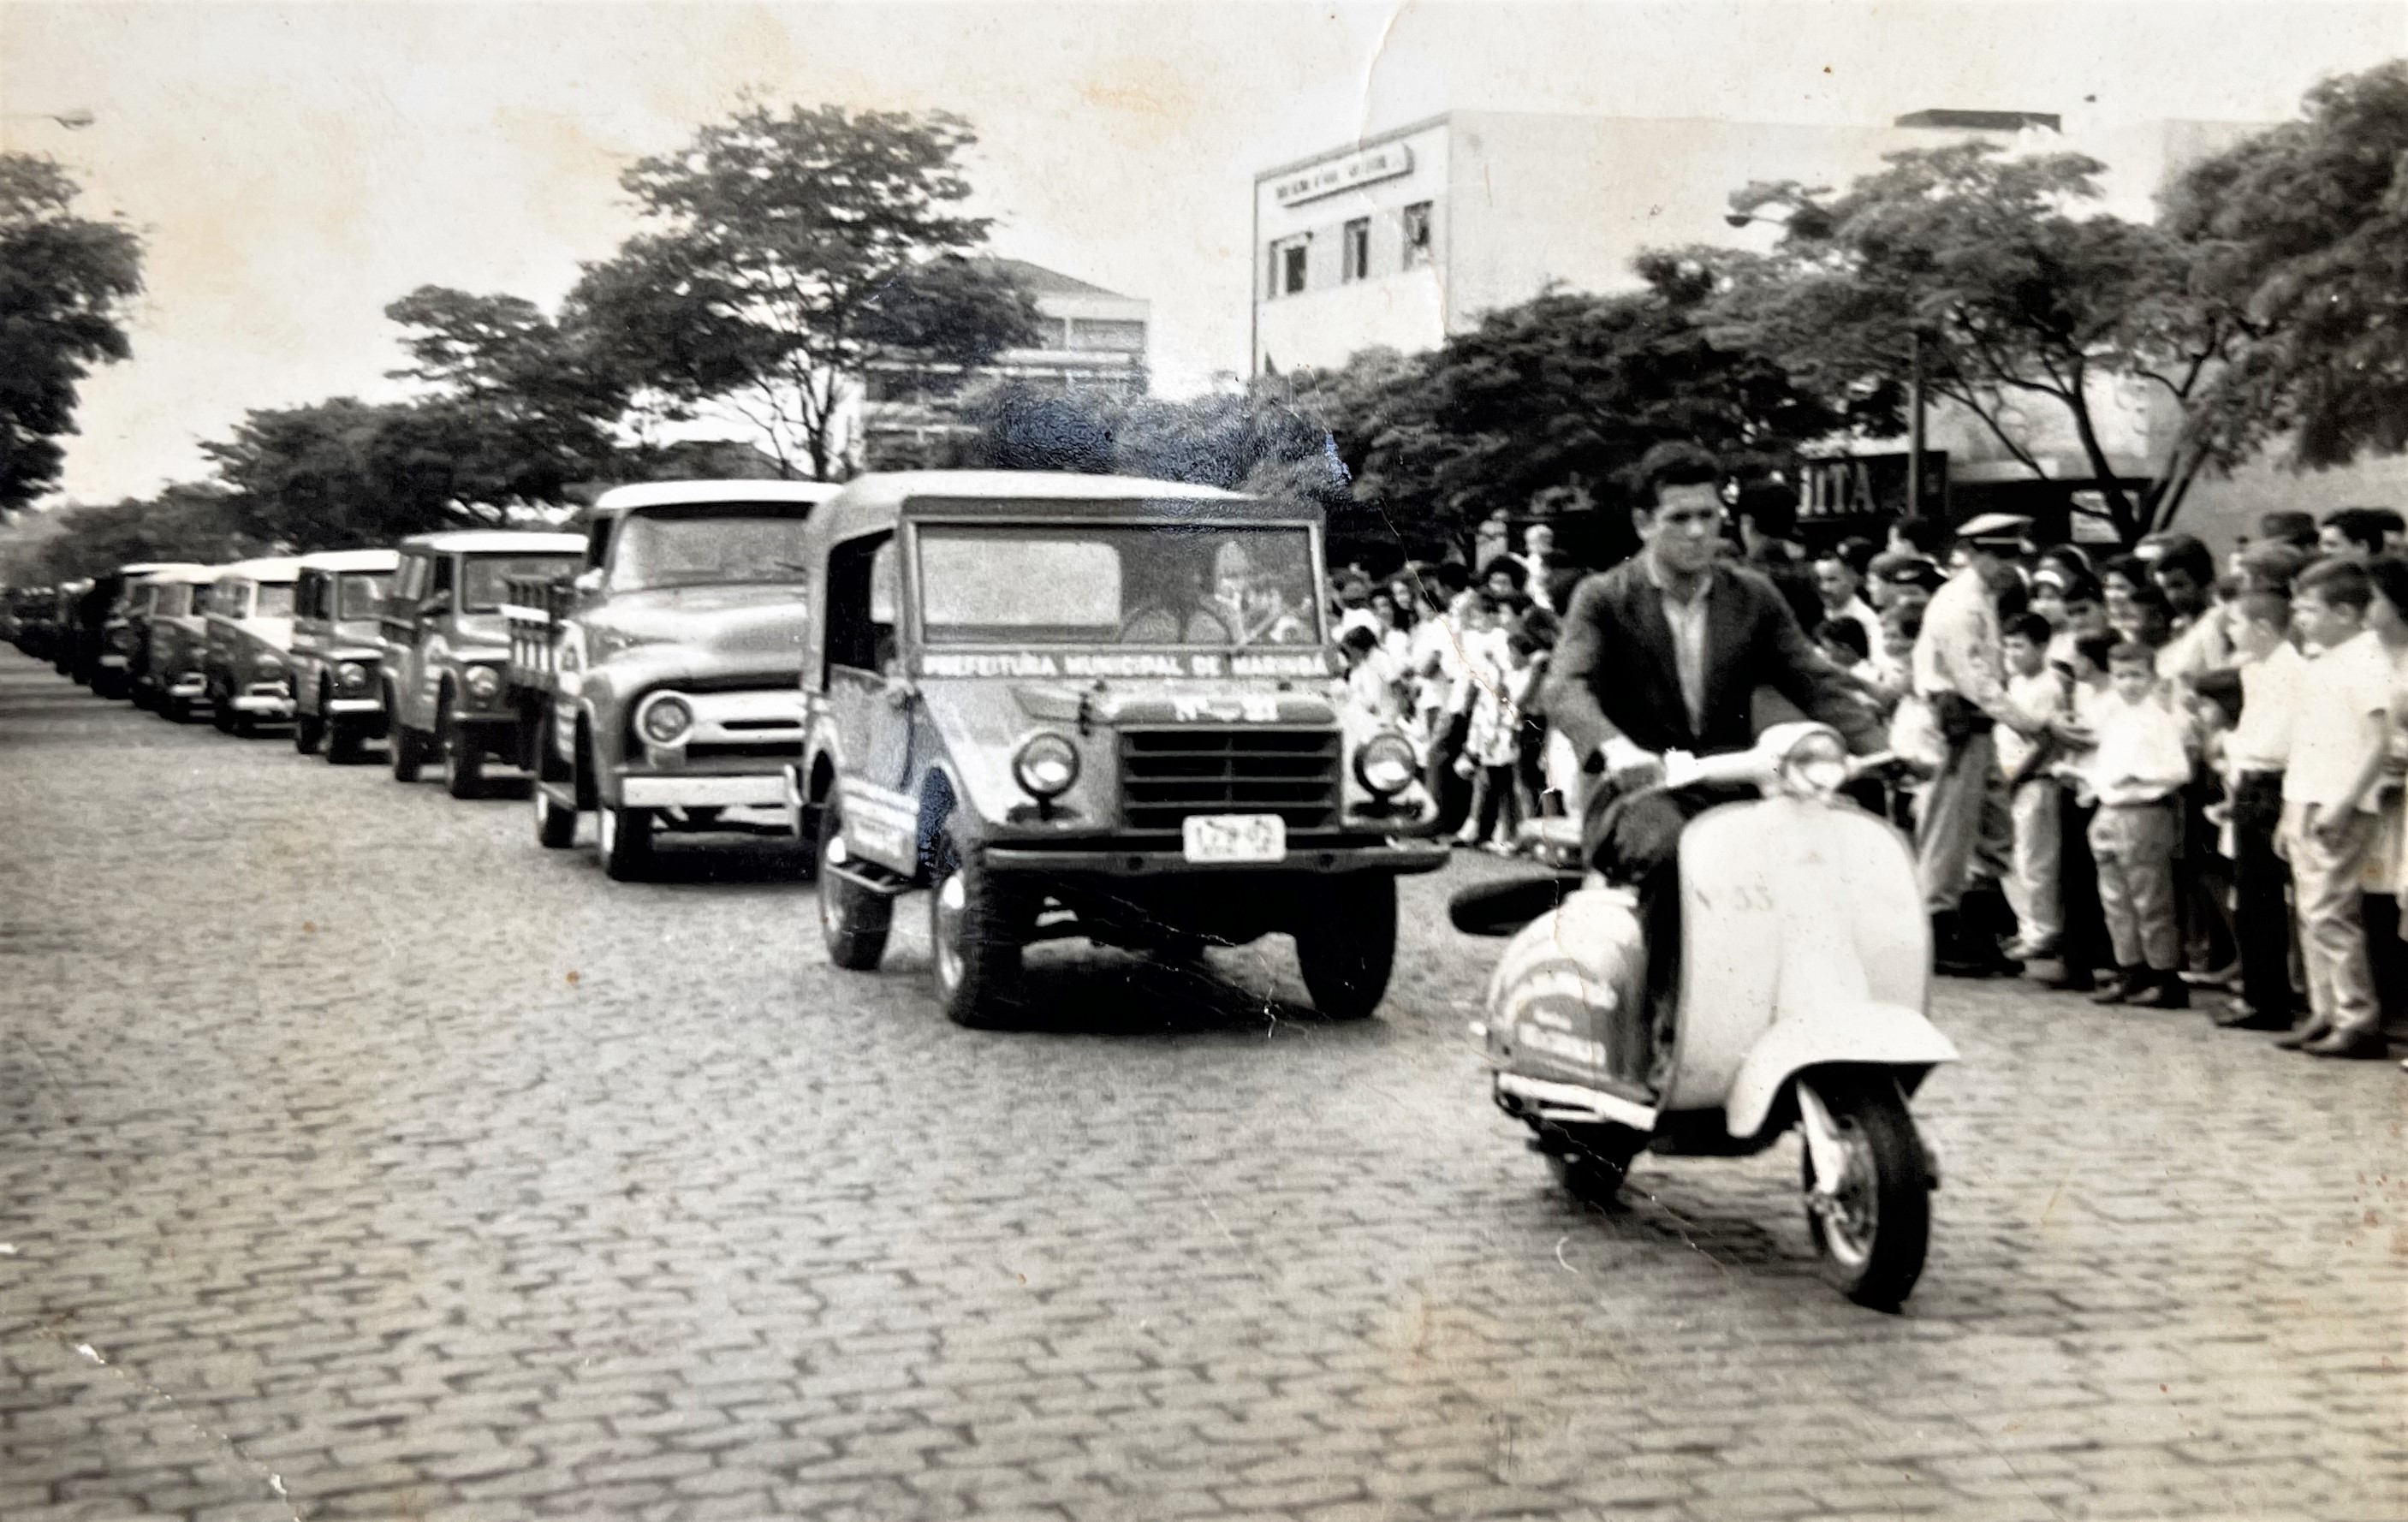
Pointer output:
1866, 1034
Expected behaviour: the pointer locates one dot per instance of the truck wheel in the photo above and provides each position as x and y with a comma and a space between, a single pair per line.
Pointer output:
625, 842
464, 763
975, 936
176, 710
342, 743
1347, 952
853, 920
555, 827
404, 747
221, 708
309, 729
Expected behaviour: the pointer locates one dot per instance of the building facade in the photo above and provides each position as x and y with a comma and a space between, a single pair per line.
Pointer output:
1090, 340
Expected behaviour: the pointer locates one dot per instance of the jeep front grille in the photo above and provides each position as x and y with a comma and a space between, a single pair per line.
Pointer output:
1168, 774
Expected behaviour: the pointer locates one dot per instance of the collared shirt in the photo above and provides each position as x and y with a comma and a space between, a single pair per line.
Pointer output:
2040, 694
2269, 690
1688, 621
1957, 651
1860, 613
2344, 701
2140, 758
2202, 647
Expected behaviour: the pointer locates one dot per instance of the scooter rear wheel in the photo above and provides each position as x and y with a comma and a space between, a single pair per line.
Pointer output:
1872, 1231
1591, 1162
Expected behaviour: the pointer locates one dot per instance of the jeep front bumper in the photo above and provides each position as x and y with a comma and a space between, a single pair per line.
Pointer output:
1396, 857
350, 708
276, 704
703, 790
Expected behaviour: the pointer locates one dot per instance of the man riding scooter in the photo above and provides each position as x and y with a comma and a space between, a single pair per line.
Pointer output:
1675, 649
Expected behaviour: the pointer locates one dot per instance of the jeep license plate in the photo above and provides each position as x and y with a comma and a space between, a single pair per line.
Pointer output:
1236, 838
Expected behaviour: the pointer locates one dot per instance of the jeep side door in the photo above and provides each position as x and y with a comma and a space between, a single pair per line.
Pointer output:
870, 703
405, 636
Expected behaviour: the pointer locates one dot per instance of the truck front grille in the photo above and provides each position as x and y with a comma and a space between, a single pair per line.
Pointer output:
1168, 774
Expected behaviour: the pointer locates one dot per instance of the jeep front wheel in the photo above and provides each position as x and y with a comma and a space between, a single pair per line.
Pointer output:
463, 760
1349, 949
854, 920
975, 936
309, 729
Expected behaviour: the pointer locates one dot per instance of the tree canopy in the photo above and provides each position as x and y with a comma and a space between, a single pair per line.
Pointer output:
66, 284
2305, 229
783, 253
1981, 260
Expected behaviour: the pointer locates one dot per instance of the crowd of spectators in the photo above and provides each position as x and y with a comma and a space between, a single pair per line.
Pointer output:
2143, 775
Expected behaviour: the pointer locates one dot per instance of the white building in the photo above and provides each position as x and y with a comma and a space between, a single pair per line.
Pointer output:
1089, 338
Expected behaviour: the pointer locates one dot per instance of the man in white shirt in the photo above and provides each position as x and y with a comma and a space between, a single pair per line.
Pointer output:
2337, 747
1841, 591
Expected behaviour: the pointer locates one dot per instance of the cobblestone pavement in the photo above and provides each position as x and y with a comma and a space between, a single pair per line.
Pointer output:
360, 1159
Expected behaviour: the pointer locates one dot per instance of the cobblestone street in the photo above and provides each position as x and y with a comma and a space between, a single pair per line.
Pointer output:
360, 1159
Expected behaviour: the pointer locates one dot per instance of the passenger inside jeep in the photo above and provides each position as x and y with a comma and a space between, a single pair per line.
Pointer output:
1210, 586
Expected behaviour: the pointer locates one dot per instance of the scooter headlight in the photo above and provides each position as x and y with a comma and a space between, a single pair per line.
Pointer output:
1046, 767
1814, 767
1386, 764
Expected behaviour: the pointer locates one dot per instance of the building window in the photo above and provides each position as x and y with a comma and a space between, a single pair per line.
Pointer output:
1356, 249
1108, 333
1418, 235
1288, 267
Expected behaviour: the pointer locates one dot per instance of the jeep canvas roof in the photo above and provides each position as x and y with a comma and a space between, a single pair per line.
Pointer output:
266, 569
495, 541
868, 503
351, 560
659, 494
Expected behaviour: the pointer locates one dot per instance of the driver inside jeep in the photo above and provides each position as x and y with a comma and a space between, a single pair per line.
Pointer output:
1678, 650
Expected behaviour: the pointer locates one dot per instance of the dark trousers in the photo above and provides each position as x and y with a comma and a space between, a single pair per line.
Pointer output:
1452, 794
2261, 914
2084, 943
2206, 882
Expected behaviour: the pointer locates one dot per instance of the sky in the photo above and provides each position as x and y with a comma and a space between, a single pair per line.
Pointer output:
294, 168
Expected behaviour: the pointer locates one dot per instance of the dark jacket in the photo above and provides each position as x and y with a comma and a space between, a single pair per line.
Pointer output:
1612, 673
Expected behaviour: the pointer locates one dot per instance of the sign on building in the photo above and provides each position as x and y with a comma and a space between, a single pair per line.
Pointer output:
1368, 167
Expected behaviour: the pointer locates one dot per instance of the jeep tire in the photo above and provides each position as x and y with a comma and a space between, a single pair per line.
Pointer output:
463, 760
1349, 948
975, 935
406, 747
625, 842
854, 920
342, 742
220, 706
309, 729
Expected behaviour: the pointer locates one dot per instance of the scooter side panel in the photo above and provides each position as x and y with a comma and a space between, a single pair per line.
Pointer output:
1565, 991
1787, 900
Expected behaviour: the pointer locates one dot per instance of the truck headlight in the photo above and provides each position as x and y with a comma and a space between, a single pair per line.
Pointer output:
1046, 767
269, 666
482, 682
664, 719
350, 676
1386, 764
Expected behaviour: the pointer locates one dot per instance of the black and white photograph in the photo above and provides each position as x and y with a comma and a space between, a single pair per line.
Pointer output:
1144, 760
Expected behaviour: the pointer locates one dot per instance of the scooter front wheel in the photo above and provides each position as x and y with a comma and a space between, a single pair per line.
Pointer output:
1871, 1226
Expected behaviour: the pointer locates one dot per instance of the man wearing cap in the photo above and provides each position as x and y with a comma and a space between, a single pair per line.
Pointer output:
1959, 669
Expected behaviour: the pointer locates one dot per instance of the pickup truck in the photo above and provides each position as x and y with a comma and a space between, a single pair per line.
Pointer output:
659, 687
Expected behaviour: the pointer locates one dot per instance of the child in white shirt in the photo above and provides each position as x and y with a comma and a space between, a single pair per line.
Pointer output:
2136, 771
2336, 754
2031, 793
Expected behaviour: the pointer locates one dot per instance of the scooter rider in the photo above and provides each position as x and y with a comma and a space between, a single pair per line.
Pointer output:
1670, 651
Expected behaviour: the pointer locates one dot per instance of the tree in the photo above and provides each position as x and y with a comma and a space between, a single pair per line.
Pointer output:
2304, 228
1562, 394
526, 407
1977, 260
784, 252
65, 282
343, 473
184, 521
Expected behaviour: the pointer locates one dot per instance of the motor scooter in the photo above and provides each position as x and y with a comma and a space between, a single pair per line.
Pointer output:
1804, 975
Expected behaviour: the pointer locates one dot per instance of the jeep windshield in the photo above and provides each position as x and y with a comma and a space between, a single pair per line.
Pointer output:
484, 580
714, 545
274, 600
359, 596
1217, 587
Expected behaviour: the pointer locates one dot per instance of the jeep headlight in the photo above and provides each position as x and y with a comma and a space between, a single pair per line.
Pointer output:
664, 719
350, 676
1046, 767
482, 682
1386, 764
269, 666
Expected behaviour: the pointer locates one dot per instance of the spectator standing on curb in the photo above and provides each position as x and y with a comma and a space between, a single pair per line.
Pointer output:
1958, 670
2031, 792
2337, 751
2134, 774
2254, 754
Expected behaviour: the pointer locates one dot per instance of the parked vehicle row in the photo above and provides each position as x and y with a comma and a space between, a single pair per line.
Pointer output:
1056, 705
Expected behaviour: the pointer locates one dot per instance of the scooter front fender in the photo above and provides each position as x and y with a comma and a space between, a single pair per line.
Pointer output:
1856, 1035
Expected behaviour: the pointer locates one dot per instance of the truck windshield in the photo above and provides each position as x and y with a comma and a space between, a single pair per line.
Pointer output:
359, 596
485, 578
1022, 584
715, 546
275, 600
